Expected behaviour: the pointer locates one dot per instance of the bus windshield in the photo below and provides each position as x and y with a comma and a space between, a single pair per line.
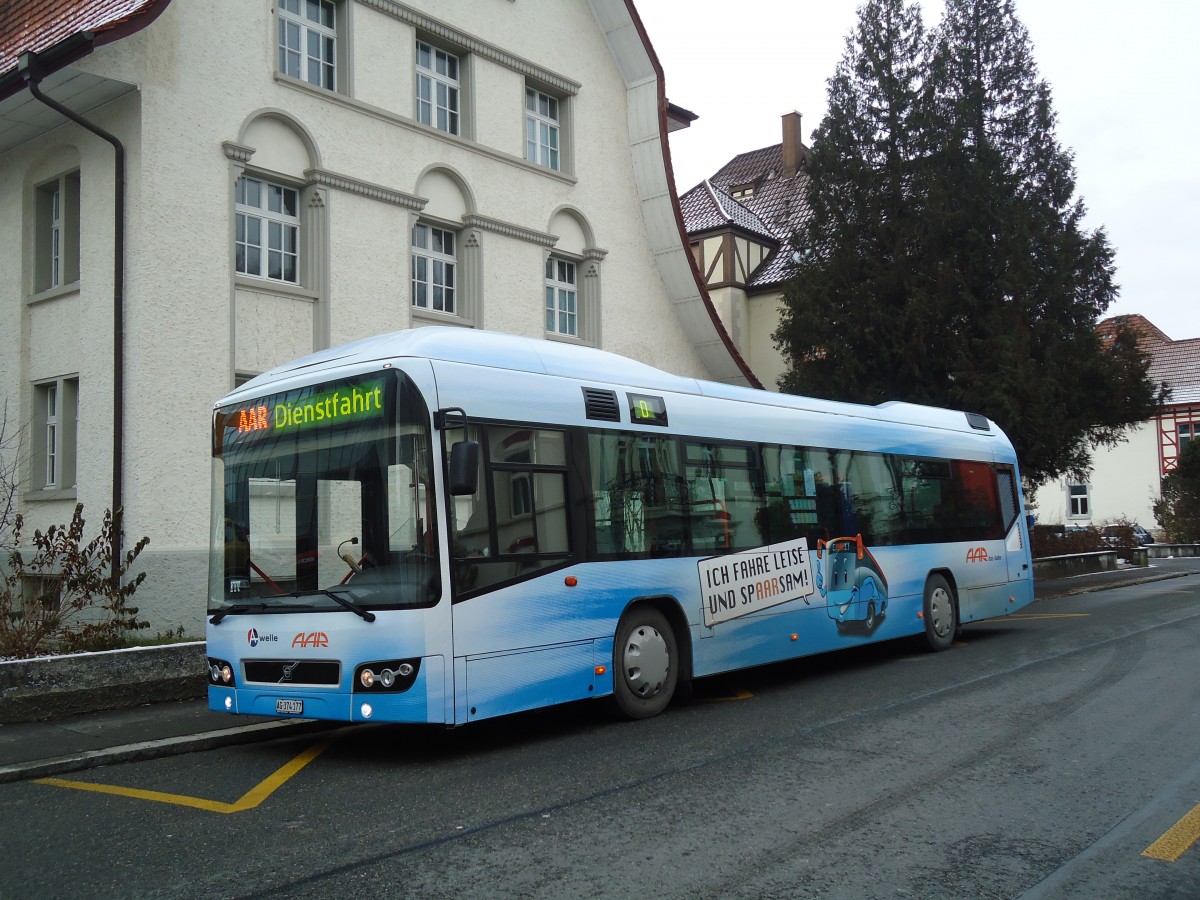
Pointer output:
323, 499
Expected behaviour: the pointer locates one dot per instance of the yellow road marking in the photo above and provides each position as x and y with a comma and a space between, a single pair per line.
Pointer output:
1049, 616
1182, 835
249, 800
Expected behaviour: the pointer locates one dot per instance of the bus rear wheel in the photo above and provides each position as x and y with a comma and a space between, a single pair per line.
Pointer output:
645, 663
941, 613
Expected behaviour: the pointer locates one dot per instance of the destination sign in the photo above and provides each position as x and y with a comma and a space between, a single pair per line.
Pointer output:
301, 410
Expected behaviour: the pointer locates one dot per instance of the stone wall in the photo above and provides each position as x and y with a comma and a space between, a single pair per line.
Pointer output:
1170, 551
1074, 564
51, 687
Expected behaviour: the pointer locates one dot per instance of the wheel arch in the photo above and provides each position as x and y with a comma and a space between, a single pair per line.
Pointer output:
672, 610
950, 580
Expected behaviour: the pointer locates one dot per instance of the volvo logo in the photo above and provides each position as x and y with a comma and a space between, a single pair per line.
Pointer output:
288, 670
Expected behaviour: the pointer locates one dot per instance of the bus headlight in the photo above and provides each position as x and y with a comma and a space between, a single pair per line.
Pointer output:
220, 672
388, 676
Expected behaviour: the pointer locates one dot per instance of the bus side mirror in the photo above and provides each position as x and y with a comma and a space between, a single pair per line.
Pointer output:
464, 468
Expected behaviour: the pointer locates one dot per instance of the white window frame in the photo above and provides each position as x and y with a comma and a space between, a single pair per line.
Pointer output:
438, 88
56, 426
1187, 431
308, 46
543, 129
562, 296
56, 233
265, 231
56, 236
434, 270
1079, 501
50, 411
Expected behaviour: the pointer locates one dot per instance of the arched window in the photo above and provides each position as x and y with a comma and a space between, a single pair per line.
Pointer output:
280, 253
571, 286
446, 272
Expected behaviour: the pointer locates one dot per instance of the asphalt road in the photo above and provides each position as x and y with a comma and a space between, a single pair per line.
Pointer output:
1040, 757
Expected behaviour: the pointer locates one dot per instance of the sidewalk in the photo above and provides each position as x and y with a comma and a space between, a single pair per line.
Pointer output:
73, 744
1049, 588
40, 749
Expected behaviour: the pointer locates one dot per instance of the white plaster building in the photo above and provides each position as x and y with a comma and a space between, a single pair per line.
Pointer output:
300, 173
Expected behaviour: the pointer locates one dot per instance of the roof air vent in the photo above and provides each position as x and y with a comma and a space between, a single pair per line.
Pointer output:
978, 422
601, 405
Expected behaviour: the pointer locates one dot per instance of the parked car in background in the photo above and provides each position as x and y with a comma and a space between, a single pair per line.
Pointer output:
1127, 535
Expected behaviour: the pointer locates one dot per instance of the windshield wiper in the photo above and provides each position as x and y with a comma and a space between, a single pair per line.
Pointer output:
365, 614
235, 610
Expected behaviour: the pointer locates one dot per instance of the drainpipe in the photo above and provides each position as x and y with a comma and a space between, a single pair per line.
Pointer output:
29, 71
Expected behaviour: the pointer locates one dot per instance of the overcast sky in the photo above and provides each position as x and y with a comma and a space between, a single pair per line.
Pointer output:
1122, 75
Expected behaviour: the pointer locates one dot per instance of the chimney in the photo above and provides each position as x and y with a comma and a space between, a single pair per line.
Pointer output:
793, 152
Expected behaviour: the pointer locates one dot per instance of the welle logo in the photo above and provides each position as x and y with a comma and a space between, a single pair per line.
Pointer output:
253, 638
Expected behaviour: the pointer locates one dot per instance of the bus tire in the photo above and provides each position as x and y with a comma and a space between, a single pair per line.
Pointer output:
941, 613
645, 663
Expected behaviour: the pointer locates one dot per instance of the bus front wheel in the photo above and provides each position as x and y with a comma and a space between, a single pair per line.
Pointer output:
645, 663
941, 614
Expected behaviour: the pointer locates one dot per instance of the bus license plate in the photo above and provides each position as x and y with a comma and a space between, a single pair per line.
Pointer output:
289, 707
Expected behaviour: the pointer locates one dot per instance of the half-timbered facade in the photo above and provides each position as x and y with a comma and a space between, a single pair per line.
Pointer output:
739, 223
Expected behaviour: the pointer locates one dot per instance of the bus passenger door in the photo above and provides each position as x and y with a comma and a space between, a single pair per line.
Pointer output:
1016, 536
417, 534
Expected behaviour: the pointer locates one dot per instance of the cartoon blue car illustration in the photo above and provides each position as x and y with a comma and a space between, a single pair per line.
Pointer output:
850, 580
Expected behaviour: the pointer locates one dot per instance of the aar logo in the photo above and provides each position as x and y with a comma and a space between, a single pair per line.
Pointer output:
311, 639
978, 554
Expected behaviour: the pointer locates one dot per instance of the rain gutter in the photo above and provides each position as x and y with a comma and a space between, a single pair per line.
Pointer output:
33, 73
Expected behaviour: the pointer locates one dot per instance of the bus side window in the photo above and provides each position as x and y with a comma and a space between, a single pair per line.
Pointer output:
531, 502
639, 498
516, 523
725, 487
874, 497
800, 495
1007, 487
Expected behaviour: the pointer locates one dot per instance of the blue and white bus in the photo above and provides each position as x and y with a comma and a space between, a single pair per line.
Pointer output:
443, 525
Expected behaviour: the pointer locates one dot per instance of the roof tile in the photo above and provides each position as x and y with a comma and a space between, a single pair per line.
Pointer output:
36, 25
1178, 364
776, 202
1175, 362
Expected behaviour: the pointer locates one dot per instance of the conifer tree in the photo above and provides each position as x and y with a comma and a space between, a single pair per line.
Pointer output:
1001, 286
853, 256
